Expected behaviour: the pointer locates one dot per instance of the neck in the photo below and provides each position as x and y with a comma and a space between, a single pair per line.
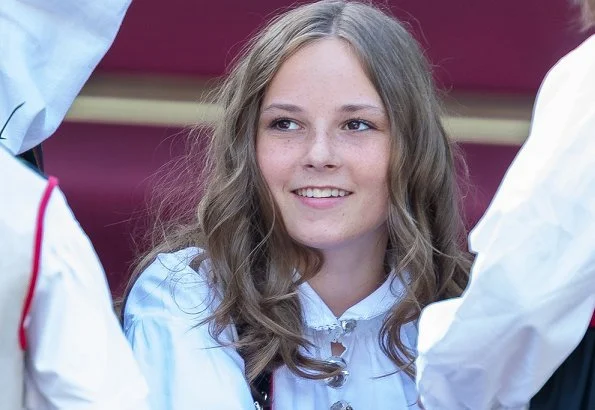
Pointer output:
351, 273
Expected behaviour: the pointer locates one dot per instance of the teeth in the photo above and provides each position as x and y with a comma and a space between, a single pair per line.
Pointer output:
321, 193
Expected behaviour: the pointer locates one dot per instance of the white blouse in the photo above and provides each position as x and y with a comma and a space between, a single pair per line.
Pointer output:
187, 369
532, 289
77, 356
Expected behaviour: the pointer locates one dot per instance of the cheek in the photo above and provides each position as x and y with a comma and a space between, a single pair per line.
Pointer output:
375, 179
273, 161
264, 158
375, 168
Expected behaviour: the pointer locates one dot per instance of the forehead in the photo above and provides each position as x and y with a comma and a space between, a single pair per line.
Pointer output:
323, 71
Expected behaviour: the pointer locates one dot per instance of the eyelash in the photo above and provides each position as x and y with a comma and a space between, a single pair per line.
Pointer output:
366, 123
275, 123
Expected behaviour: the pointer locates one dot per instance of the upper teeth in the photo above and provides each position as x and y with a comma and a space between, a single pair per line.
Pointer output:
321, 193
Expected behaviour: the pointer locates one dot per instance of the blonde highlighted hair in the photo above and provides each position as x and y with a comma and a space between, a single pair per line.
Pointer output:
252, 259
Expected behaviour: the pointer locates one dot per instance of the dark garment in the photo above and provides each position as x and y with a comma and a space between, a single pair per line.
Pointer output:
33, 157
572, 386
262, 387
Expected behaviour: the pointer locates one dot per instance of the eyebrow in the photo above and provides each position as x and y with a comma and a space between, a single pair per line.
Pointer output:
283, 107
350, 108
361, 107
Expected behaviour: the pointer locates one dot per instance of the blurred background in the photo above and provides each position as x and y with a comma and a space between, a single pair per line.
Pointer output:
132, 117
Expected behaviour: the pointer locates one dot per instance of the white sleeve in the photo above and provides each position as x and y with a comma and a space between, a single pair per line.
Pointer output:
186, 369
77, 357
532, 288
49, 49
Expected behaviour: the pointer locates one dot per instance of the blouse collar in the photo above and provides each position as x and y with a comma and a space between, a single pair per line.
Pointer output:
317, 314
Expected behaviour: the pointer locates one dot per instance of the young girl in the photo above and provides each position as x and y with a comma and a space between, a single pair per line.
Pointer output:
329, 219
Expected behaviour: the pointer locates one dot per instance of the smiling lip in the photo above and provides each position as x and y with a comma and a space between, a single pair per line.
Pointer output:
321, 197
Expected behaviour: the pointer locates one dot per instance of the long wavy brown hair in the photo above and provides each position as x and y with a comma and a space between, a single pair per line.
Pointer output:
252, 259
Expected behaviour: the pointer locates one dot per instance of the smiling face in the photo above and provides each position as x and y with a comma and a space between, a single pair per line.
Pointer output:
323, 145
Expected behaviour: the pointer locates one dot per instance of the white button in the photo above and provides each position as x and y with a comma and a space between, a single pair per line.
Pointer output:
348, 325
341, 405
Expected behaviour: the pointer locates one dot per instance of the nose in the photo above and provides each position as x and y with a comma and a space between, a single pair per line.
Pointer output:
322, 152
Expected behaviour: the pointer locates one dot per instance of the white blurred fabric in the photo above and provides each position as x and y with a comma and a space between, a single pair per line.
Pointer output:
532, 288
78, 357
48, 50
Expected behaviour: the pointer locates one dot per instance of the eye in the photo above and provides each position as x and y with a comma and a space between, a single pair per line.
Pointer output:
357, 125
285, 125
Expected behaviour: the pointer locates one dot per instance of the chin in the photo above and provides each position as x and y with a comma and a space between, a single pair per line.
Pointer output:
322, 242
336, 239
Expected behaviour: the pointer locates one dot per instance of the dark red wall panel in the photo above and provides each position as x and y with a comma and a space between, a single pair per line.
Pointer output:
505, 45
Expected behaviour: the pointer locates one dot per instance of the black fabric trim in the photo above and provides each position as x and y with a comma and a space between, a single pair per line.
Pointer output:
572, 386
8, 119
261, 390
33, 157
261, 387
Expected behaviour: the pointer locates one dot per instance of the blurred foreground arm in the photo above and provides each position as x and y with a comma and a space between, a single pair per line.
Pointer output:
532, 288
49, 49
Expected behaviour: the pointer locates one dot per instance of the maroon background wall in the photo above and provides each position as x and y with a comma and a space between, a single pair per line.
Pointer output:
105, 172
485, 45
475, 45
